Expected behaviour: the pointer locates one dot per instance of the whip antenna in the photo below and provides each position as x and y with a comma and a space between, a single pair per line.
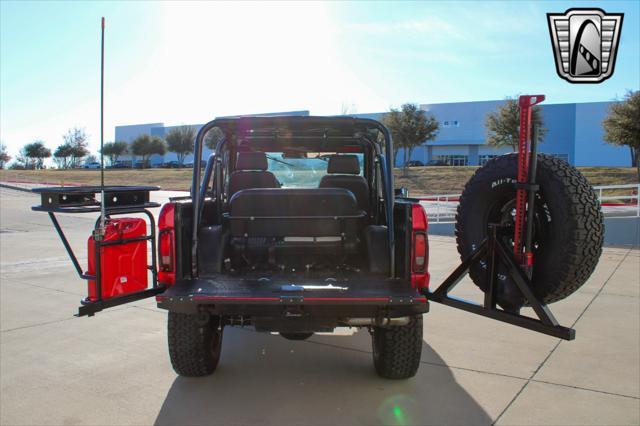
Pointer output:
102, 199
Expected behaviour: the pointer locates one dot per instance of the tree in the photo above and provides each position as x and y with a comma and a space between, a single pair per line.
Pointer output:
22, 161
410, 127
212, 138
4, 156
145, 146
91, 159
503, 125
62, 156
393, 122
180, 140
36, 152
114, 150
16, 165
78, 143
622, 126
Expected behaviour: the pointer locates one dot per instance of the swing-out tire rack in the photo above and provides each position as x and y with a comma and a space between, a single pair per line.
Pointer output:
494, 249
518, 263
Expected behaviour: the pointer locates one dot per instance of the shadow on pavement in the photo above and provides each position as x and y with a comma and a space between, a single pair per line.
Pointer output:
265, 379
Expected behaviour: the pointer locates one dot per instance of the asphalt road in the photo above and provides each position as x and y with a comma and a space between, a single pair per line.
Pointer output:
114, 368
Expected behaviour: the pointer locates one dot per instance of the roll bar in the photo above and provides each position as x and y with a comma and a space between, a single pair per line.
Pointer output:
197, 196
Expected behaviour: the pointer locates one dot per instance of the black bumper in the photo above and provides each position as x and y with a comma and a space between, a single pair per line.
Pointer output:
273, 297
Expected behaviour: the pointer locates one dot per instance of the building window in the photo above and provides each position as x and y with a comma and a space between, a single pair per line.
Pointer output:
484, 158
454, 160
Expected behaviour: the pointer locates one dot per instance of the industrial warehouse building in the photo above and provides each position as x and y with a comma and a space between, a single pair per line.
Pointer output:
574, 133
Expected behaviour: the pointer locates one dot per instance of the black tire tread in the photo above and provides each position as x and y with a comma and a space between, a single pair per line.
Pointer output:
584, 224
399, 349
190, 346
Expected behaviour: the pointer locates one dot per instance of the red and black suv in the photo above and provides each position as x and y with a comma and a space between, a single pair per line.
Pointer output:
294, 226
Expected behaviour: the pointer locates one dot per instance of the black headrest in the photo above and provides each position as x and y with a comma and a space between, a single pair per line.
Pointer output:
344, 164
251, 161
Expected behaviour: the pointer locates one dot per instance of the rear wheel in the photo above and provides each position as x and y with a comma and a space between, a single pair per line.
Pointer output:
296, 336
567, 230
194, 345
397, 350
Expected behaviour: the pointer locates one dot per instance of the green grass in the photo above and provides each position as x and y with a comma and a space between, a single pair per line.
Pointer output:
434, 180
174, 179
451, 180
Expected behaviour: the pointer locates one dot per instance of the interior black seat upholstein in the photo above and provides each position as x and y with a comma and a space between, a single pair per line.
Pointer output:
251, 172
344, 172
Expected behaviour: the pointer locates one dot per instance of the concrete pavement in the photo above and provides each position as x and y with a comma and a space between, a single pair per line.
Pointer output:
114, 368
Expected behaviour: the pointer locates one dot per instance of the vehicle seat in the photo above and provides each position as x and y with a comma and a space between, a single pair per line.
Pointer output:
251, 172
344, 172
294, 226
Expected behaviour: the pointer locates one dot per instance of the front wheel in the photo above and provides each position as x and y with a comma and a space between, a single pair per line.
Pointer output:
194, 346
397, 350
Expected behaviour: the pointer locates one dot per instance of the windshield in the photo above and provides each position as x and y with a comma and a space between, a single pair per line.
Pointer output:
301, 172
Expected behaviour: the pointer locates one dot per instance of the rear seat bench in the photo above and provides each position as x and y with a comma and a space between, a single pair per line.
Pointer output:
293, 225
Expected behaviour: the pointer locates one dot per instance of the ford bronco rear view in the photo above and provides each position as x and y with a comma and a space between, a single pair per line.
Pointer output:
294, 227
292, 236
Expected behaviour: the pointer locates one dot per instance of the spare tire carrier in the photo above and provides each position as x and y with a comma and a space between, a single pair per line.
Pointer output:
516, 261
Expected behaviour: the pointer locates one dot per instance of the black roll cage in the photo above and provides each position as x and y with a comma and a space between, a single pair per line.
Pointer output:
352, 128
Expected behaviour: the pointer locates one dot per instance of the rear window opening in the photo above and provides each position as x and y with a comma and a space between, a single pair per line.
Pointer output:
302, 169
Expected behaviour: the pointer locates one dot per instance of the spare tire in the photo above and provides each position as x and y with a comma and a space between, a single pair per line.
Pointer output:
567, 232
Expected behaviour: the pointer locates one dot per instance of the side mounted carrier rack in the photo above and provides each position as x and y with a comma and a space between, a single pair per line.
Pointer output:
118, 200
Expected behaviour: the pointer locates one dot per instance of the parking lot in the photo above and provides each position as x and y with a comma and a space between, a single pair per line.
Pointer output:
114, 368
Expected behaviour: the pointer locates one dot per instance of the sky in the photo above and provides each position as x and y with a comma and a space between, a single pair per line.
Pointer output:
188, 62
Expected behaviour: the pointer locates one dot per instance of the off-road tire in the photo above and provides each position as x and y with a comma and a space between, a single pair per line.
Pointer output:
194, 345
569, 226
296, 336
397, 349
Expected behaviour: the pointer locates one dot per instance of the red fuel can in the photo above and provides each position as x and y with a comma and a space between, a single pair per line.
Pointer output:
123, 266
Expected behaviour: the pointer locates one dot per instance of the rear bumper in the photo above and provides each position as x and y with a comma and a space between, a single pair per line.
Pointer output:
272, 297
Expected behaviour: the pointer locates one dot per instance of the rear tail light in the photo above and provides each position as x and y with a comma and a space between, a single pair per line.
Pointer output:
166, 245
419, 252
166, 251
419, 248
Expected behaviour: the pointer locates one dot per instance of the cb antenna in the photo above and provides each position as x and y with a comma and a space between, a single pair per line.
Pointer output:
102, 198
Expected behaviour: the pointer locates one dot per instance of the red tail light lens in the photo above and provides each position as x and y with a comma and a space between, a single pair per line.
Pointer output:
166, 251
419, 248
419, 218
419, 252
166, 245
